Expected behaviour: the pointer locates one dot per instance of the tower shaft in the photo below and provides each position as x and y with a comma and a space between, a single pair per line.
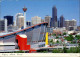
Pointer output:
24, 19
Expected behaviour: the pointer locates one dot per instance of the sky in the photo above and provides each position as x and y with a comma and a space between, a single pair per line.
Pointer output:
68, 8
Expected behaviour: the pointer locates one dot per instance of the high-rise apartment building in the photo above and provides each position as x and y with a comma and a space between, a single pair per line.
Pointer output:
36, 20
9, 20
47, 19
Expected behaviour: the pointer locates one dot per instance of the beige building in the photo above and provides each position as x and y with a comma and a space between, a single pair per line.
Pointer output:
70, 23
21, 21
47, 19
36, 20
17, 19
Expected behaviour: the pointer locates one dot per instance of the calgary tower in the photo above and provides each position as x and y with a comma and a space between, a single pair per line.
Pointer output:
24, 9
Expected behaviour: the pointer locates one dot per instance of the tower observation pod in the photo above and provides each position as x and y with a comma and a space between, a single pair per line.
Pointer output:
24, 9
46, 40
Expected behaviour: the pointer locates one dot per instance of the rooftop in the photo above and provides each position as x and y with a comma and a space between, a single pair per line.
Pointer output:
9, 33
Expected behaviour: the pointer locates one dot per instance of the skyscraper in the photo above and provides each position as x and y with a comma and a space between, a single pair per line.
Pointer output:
54, 22
2, 25
36, 20
21, 21
9, 20
47, 19
62, 21
54, 13
17, 18
58, 23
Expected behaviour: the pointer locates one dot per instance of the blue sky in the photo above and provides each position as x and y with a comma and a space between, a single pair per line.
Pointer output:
68, 8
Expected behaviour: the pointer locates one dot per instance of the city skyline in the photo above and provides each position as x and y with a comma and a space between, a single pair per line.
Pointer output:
68, 8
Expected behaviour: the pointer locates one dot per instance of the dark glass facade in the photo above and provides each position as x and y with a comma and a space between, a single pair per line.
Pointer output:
28, 23
9, 20
2, 25
62, 24
54, 22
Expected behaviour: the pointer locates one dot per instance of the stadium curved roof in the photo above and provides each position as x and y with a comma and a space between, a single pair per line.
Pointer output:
24, 29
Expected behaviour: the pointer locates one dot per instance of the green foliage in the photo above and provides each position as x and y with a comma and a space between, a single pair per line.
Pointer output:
54, 35
19, 52
79, 44
77, 37
74, 50
64, 33
57, 41
57, 37
57, 51
64, 50
51, 40
43, 51
69, 38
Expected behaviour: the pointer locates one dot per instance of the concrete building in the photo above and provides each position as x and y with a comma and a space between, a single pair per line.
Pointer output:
70, 23
17, 18
59, 30
78, 28
49, 30
47, 19
42, 20
36, 20
21, 21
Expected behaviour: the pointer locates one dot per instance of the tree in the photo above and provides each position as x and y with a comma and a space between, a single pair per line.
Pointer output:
57, 51
57, 37
69, 38
64, 50
51, 40
64, 33
19, 52
54, 35
57, 41
77, 37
